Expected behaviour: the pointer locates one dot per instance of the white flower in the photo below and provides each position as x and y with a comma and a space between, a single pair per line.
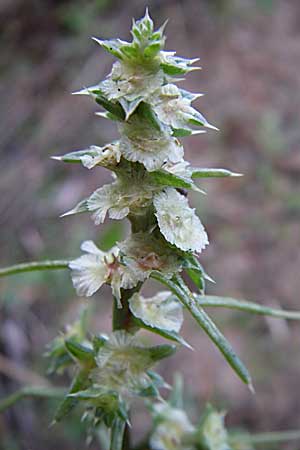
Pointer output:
173, 426
91, 271
130, 82
175, 109
178, 222
152, 147
142, 253
109, 155
213, 432
162, 311
118, 199
123, 364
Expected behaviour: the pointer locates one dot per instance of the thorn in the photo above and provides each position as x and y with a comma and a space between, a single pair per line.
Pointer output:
212, 127
99, 41
195, 132
251, 388
57, 158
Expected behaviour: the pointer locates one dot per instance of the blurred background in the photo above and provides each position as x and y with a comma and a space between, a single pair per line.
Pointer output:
250, 54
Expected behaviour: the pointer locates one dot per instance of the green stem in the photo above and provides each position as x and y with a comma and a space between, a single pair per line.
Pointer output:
30, 392
34, 266
245, 306
266, 438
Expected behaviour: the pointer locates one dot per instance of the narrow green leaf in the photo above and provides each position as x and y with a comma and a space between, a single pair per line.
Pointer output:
171, 335
34, 266
245, 306
114, 108
159, 352
76, 157
79, 351
213, 173
145, 111
165, 178
187, 299
80, 382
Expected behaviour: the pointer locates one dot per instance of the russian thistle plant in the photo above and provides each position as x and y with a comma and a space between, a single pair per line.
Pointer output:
149, 188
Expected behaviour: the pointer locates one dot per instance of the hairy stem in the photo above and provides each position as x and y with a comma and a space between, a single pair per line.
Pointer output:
34, 266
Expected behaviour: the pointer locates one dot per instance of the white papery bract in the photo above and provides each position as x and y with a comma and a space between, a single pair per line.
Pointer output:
144, 143
161, 311
172, 108
143, 253
91, 271
178, 222
122, 364
106, 156
172, 426
118, 200
181, 168
130, 83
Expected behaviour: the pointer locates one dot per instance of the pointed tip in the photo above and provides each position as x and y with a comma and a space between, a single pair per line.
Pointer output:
236, 174
195, 132
251, 388
99, 41
56, 158
68, 213
212, 127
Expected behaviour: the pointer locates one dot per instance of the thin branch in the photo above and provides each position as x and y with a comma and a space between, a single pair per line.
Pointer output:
34, 266
266, 438
25, 392
245, 306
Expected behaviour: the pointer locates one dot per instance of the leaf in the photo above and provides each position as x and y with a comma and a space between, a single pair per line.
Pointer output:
80, 382
245, 306
165, 178
171, 335
76, 157
114, 108
79, 208
79, 351
176, 397
187, 299
145, 111
216, 173
195, 271
158, 352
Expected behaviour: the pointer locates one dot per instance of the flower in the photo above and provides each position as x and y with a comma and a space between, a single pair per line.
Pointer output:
178, 222
118, 199
162, 311
149, 145
106, 156
172, 427
91, 271
143, 253
213, 434
122, 363
130, 82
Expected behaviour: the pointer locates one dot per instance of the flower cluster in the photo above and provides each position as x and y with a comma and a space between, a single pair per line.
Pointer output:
149, 188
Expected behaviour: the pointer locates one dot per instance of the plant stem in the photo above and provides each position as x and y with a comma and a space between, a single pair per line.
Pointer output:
34, 266
265, 438
30, 392
245, 306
